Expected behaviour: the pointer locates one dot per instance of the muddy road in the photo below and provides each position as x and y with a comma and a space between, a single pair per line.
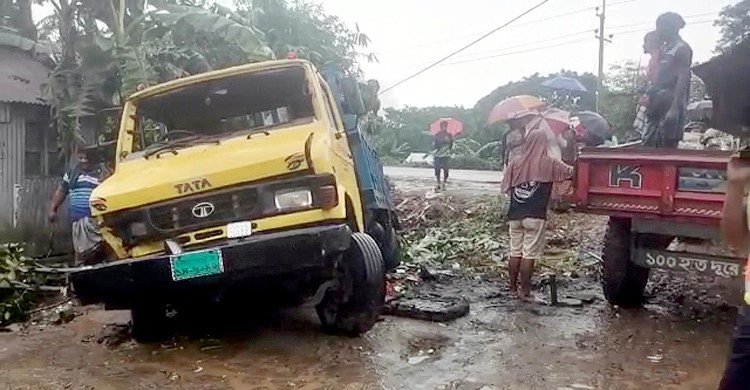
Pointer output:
501, 344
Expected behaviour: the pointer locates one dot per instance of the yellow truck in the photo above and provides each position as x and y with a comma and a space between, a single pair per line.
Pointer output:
248, 185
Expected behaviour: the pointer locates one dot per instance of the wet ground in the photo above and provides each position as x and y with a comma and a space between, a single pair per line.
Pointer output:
501, 344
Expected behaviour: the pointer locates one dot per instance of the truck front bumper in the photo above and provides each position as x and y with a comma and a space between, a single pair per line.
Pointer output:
261, 258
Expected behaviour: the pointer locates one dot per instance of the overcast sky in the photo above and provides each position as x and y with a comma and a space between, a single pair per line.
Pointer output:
410, 34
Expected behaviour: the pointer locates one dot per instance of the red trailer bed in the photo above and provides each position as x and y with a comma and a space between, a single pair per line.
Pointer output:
653, 196
675, 185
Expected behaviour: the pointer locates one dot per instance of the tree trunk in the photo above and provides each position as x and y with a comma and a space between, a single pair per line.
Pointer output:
68, 34
24, 21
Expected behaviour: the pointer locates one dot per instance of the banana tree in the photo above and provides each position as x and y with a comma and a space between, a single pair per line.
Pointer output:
110, 48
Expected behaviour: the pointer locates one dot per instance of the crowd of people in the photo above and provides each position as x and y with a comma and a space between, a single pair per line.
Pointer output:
534, 166
537, 174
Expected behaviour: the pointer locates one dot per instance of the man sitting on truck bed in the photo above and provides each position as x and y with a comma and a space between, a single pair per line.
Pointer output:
670, 88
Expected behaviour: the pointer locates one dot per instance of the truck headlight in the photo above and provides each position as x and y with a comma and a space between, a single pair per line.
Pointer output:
295, 198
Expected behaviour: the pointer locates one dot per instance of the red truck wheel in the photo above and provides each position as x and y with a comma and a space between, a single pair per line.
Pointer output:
622, 280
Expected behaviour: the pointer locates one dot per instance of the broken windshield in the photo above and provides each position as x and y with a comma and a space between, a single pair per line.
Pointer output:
212, 110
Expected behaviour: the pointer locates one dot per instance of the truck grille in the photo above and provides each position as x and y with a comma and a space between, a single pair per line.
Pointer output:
209, 210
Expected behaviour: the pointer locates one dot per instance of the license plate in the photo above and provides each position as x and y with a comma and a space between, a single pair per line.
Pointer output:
196, 264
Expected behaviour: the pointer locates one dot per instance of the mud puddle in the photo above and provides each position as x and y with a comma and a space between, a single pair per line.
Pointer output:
501, 344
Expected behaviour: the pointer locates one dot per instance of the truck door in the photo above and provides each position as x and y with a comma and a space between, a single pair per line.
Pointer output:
338, 134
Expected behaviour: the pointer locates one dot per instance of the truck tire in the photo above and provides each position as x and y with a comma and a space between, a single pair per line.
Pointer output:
354, 307
391, 249
148, 322
623, 281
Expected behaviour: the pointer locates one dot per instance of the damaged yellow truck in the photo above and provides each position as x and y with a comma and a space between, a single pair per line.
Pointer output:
246, 186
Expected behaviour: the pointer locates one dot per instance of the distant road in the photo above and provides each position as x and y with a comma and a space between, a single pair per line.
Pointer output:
456, 175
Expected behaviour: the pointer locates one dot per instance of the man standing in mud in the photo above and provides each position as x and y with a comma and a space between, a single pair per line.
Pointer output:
443, 147
670, 89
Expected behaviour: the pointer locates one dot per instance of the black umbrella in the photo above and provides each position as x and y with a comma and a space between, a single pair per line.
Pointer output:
596, 129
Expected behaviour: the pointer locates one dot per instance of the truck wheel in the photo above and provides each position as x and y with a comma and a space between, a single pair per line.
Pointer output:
622, 280
354, 307
149, 323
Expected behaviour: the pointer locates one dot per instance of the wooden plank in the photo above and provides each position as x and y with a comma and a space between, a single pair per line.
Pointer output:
11, 166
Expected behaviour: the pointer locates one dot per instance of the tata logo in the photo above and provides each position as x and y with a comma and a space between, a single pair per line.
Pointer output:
629, 174
294, 161
203, 210
192, 186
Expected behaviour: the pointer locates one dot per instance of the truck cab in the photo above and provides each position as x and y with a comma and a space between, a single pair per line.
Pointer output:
243, 182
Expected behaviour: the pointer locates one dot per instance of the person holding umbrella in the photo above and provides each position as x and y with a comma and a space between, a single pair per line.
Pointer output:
443, 132
517, 111
528, 180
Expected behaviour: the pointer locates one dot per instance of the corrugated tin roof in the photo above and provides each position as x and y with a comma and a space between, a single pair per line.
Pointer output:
21, 77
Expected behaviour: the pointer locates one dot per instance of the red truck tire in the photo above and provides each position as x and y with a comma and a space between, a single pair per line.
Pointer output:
623, 281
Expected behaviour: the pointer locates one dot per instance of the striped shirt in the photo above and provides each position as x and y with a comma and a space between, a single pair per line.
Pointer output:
78, 185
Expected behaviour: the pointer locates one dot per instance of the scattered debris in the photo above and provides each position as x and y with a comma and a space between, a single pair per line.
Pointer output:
112, 336
21, 285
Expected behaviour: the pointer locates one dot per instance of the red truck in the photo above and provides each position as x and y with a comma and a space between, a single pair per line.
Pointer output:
655, 195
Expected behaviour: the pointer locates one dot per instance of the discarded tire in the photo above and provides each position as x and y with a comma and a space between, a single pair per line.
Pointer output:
436, 310
354, 307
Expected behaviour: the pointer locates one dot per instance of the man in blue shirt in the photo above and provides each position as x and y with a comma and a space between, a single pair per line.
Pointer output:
77, 185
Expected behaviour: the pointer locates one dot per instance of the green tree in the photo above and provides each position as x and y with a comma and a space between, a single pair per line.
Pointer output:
112, 47
734, 21
623, 85
302, 27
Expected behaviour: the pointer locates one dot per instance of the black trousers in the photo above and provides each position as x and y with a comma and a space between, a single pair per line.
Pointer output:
442, 164
737, 372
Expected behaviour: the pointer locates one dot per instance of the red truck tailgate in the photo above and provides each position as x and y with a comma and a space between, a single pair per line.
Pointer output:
683, 185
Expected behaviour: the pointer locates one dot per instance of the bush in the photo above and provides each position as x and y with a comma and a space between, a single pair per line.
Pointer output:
17, 284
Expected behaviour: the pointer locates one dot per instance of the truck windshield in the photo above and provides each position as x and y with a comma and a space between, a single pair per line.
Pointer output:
211, 110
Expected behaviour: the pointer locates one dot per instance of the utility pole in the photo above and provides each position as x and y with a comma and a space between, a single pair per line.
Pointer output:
602, 39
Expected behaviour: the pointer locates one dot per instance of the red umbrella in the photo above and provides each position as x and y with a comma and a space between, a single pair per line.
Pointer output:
557, 120
455, 127
515, 107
